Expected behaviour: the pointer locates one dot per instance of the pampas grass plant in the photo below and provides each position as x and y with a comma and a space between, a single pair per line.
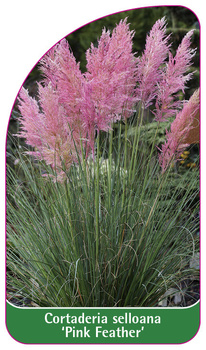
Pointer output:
95, 221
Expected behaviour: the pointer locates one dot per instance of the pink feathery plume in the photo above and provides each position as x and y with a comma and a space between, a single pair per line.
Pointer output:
110, 79
48, 130
149, 71
57, 130
48, 64
32, 120
174, 79
61, 69
177, 138
58, 144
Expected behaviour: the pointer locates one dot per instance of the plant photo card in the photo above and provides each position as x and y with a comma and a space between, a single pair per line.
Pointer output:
102, 185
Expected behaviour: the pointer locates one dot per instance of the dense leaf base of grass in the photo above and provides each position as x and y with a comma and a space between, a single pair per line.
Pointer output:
115, 232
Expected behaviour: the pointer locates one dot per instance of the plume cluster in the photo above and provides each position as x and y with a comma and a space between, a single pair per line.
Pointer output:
73, 107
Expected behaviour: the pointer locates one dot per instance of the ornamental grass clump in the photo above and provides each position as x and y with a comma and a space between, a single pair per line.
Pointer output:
100, 218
